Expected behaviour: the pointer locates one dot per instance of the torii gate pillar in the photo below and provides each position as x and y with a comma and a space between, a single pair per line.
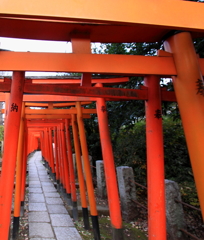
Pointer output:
10, 152
189, 89
109, 167
155, 161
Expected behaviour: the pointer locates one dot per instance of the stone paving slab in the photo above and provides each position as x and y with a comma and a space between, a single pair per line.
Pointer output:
35, 185
44, 179
35, 190
42, 173
33, 175
37, 207
32, 170
34, 182
48, 184
43, 230
61, 220
49, 189
48, 217
54, 201
68, 233
34, 179
42, 238
38, 217
36, 197
52, 194
56, 209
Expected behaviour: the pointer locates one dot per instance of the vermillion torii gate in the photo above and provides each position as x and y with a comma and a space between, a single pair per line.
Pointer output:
132, 22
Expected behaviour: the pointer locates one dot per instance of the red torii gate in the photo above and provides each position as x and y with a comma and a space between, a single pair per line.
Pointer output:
27, 111
130, 19
164, 228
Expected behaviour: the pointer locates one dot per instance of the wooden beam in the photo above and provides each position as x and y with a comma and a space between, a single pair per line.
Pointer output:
43, 123
56, 116
2, 97
58, 111
5, 86
28, 104
166, 14
34, 104
95, 63
64, 89
115, 93
78, 81
165, 95
54, 98
130, 65
43, 30
70, 104
168, 96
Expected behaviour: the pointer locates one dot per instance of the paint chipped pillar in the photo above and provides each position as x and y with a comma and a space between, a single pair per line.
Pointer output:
174, 211
127, 192
100, 176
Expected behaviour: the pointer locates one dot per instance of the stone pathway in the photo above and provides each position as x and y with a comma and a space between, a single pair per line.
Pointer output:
48, 218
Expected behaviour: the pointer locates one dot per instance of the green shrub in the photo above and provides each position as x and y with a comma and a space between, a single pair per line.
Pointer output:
130, 150
177, 162
1, 133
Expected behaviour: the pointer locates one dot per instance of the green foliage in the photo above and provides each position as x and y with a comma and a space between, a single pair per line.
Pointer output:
199, 46
93, 139
189, 194
177, 162
127, 113
130, 150
1, 132
92, 135
131, 230
127, 126
130, 48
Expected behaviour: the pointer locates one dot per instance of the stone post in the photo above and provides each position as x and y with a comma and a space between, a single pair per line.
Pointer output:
127, 192
75, 166
101, 183
91, 164
174, 211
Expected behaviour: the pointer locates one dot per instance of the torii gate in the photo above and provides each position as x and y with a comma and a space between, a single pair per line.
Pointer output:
51, 119
133, 22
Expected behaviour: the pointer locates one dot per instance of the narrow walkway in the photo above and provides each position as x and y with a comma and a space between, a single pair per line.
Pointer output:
48, 218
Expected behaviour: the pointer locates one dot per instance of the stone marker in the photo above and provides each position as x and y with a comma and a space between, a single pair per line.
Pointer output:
127, 192
174, 211
101, 183
90, 160
75, 165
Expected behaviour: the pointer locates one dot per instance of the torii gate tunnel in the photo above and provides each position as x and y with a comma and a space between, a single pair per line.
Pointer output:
83, 22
